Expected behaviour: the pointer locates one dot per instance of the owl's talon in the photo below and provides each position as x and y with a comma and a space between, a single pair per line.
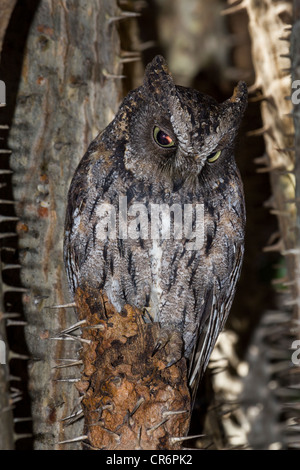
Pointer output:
147, 315
156, 348
173, 338
172, 362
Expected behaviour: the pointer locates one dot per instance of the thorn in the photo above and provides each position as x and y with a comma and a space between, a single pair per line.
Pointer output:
75, 439
61, 338
4, 218
257, 85
17, 437
266, 169
257, 98
5, 316
70, 380
94, 327
16, 399
7, 288
263, 160
3, 151
285, 149
14, 355
8, 235
15, 392
218, 370
4, 126
285, 56
106, 74
137, 405
6, 201
284, 39
22, 420
123, 15
139, 438
156, 426
11, 266
173, 440
127, 60
71, 304
114, 434
130, 54
261, 131
71, 338
16, 323
14, 378
291, 251
171, 413
287, 283
6, 172
78, 338
292, 302
73, 327
6, 408
233, 9
280, 213
71, 364
146, 45
75, 416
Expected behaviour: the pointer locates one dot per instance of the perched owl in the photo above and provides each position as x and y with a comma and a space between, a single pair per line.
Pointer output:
156, 212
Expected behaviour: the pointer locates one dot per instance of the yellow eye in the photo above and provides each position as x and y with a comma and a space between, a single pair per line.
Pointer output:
213, 156
162, 138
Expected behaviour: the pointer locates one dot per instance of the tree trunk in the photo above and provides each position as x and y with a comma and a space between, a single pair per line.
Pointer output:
69, 90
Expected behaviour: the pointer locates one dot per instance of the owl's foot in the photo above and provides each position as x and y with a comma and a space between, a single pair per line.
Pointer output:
147, 315
171, 337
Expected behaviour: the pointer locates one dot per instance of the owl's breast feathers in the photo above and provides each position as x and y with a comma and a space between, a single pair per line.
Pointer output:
190, 289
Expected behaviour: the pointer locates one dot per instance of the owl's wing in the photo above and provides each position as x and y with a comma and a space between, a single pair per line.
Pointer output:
216, 310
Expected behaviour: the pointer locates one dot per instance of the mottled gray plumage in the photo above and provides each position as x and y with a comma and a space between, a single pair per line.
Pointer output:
187, 291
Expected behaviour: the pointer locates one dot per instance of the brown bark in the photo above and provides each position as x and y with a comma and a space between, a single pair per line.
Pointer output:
130, 399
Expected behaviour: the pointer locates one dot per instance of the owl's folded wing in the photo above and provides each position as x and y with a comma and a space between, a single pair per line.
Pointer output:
216, 308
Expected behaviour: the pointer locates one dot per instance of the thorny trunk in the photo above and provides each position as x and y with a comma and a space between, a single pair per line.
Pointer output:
267, 392
271, 24
68, 92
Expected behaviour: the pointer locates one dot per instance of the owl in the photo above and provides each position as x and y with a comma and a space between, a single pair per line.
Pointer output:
156, 216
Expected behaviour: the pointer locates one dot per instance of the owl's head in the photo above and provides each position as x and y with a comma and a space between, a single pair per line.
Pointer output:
178, 131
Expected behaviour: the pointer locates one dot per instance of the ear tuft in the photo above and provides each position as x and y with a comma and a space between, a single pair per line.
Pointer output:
157, 76
240, 97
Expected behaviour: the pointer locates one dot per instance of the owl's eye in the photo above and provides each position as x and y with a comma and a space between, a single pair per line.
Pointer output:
162, 138
213, 156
